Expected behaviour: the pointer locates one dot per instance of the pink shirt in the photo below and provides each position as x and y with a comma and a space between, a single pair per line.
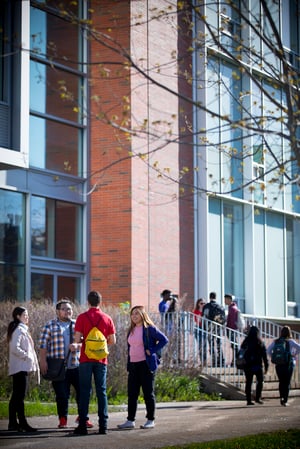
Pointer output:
136, 345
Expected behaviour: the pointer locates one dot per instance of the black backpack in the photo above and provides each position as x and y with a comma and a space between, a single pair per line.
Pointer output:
281, 354
216, 313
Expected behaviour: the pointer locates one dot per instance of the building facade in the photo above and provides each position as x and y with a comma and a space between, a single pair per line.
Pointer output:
80, 206
250, 235
111, 175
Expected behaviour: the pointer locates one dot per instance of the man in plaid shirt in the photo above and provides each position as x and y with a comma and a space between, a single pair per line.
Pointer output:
56, 341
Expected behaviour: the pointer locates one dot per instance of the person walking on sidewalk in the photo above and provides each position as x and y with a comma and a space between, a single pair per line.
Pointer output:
284, 371
57, 341
22, 360
255, 356
145, 341
85, 322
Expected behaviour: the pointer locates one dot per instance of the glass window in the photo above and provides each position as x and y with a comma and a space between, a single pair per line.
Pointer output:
68, 287
10, 74
54, 92
49, 29
292, 257
230, 25
12, 245
53, 287
55, 146
56, 227
42, 286
234, 249
56, 87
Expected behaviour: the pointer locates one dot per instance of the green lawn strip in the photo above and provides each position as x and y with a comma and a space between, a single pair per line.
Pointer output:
289, 439
49, 408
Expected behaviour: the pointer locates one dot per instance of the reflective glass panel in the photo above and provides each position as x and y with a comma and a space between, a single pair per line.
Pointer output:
54, 146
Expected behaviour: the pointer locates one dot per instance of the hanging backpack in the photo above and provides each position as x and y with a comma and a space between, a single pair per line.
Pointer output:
241, 361
281, 354
216, 313
95, 343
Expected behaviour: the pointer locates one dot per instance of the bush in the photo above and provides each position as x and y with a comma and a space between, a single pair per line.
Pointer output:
171, 384
39, 314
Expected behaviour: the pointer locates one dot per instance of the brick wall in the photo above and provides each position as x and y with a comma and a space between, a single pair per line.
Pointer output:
141, 238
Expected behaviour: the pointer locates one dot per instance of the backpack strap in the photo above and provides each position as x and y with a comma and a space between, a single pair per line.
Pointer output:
93, 325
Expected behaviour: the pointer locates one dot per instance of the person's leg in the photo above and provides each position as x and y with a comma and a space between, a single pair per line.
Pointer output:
133, 389
73, 375
280, 371
17, 394
147, 381
22, 380
259, 384
284, 373
85, 381
290, 370
62, 393
100, 370
249, 379
220, 358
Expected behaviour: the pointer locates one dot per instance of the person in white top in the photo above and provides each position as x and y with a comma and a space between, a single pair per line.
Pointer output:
285, 371
22, 360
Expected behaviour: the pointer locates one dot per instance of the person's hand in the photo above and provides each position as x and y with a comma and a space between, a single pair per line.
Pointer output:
43, 366
73, 346
148, 352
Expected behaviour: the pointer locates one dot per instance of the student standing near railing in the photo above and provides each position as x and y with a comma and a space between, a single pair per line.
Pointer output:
215, 312
198, 331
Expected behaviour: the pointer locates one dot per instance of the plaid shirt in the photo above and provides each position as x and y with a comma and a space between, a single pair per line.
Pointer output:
52, 339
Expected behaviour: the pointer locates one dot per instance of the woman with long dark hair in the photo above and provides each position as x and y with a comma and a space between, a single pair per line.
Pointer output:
144, 342
255, 356
22, 360
284, 371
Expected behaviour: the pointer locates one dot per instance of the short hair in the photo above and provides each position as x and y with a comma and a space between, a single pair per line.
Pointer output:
227, 295
165, 292
61, 302
94, 298
212, 295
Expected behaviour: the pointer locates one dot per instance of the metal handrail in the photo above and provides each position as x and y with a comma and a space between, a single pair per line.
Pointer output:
188, 348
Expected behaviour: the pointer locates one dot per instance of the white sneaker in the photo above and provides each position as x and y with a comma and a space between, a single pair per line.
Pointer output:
148, 425
127, 425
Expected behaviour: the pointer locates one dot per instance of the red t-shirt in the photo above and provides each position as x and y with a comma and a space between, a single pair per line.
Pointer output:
85, 323
196, 318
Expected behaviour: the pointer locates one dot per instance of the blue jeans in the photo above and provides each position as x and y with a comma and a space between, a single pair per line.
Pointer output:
98, 370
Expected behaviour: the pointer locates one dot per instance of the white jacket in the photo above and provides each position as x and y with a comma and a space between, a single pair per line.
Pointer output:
22, 356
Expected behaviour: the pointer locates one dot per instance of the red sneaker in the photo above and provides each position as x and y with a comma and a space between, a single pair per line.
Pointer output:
89, 425
62, 423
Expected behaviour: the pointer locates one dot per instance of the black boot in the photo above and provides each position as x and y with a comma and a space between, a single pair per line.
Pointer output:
23, 424
12, 418
25, 427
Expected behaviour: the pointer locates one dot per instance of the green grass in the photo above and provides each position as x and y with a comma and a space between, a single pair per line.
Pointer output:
42, 409
289, 439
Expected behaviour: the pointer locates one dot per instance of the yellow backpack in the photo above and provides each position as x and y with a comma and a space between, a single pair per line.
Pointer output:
96, 343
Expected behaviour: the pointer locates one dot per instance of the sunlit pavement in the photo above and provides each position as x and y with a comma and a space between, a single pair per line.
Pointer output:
175, 424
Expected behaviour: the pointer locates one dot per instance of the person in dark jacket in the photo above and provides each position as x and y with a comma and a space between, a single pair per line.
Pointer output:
145, 341
285, 371
255, 356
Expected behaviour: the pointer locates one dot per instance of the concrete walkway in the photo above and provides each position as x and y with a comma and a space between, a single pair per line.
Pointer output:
176, 424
